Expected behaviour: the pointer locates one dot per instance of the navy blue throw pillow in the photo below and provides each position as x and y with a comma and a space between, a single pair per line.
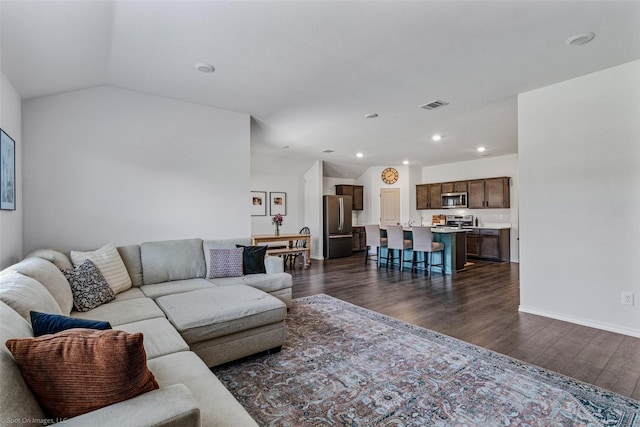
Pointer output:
253, 259
46, 323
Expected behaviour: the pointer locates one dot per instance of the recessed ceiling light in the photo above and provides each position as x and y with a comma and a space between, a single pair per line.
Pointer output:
205, 68
481, 149
579, 39
436, 137
371, 115
359, 155
405, 162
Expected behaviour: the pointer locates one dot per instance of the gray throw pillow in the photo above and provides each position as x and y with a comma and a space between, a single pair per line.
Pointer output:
88, 286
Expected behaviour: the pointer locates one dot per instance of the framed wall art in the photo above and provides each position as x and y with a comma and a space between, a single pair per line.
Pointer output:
7, 172
258, 203
277, 203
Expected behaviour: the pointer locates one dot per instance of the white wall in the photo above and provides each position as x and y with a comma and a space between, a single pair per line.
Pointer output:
372, 182
313, 207
282, 180
106, 164
11, 224
579, 164
487, 167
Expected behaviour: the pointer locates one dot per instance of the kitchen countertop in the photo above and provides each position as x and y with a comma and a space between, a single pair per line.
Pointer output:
493, 226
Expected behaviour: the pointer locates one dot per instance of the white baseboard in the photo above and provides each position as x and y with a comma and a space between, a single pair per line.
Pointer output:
584, 322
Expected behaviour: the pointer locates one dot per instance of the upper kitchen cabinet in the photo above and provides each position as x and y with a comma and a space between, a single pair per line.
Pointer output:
455, 187
435, 196
355, 191
489, 193
422, 196
428, 196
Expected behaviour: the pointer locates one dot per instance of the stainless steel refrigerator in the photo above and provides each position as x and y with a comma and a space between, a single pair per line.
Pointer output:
337, 226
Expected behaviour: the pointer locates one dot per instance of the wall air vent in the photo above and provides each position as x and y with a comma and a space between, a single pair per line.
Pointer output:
434, 104
327, 151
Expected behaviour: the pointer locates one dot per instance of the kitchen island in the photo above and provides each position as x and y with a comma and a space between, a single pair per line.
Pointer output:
455, 249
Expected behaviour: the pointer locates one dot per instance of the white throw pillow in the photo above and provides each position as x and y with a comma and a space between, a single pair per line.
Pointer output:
110, 264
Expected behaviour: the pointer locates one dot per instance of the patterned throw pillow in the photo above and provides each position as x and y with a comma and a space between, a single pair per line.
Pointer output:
47, 323
225, 262
88, 286
80, 370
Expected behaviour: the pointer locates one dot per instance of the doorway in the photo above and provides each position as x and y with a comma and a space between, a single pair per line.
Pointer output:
389, 206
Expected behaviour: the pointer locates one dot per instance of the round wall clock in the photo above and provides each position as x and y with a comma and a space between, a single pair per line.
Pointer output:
390, 176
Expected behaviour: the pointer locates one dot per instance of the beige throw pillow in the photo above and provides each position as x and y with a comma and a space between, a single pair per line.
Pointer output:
110, 264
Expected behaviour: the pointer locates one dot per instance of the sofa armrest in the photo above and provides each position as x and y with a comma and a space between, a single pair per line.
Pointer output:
273, 264
168, 406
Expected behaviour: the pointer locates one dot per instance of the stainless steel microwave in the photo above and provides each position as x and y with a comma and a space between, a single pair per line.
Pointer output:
454, 200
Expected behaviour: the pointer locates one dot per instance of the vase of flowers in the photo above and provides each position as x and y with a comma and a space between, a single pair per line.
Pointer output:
277, 221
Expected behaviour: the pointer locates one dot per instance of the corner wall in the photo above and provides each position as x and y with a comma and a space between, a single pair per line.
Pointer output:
579, 164
106, 164
11, 222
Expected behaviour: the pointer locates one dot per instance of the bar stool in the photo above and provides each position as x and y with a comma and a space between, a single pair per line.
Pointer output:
396, 241
423, 242
372, 233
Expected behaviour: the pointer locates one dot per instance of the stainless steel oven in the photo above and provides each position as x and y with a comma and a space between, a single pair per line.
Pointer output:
454, 200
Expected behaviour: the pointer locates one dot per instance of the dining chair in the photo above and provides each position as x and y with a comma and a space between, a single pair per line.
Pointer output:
372, 238
396, 241
423, 242
300, 244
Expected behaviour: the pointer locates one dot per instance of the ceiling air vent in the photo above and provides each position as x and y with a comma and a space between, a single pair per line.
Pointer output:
327, 151
434, 104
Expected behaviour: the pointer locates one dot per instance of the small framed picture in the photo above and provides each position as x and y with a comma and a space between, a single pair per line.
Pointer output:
277, 203
258, 203
7, 172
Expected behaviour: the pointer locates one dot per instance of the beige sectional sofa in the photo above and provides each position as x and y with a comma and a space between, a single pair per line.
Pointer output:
189, 323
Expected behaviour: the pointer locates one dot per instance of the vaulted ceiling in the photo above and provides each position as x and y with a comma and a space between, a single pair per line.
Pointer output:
309, 71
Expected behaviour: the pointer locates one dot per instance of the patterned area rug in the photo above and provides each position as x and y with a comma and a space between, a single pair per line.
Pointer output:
344, 365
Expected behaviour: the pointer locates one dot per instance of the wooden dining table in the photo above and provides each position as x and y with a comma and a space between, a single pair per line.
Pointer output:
290, 248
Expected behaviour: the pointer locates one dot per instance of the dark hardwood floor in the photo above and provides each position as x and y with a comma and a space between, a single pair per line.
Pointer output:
480, 306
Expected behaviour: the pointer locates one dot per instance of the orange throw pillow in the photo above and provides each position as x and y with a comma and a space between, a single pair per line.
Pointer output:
80, 370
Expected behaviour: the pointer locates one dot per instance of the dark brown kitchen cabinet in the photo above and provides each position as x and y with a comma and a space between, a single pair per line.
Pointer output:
435, 196
356, 192
489, 243
489, 193
428, 196
455, 187
422, 196
359, 242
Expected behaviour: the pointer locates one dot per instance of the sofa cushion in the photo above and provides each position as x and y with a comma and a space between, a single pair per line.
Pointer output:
121, 312
253, 259
167, 288
264, 282
210, 313
24, 294
49, 276
108, 260
132, 293
217, 405
88, 286
59, 259
77, 371
160, 338
16, 399
169, 260
131, 258
47, 323
221, 244
225, 262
